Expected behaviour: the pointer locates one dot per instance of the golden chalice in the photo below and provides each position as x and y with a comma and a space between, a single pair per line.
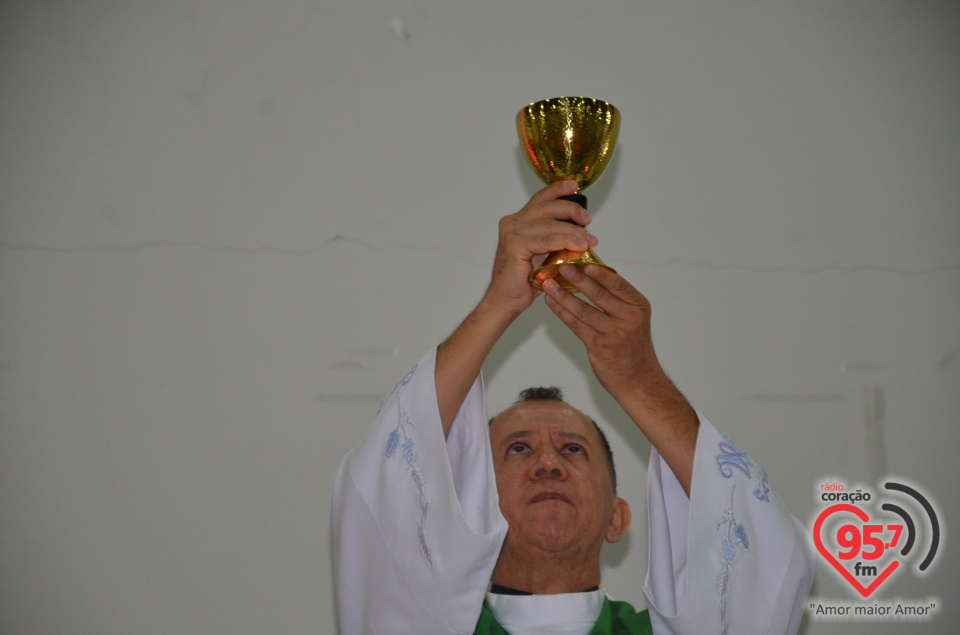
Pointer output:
568, 138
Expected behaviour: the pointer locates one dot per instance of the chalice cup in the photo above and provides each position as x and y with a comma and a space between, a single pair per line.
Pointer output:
568, 138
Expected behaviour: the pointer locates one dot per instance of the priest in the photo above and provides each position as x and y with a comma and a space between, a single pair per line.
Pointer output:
444, 522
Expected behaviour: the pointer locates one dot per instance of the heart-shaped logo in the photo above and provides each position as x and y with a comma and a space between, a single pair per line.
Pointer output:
853, 538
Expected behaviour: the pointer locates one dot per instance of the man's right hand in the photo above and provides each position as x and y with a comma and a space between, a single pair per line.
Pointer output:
527, 237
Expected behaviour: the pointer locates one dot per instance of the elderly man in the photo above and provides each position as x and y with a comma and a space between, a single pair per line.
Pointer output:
444, 525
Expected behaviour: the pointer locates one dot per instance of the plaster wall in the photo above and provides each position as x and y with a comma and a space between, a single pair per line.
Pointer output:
228, 228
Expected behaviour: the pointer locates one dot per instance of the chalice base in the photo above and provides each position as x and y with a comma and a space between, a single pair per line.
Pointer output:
550, 269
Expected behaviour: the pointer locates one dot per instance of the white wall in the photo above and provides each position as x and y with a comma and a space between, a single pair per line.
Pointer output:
227, 229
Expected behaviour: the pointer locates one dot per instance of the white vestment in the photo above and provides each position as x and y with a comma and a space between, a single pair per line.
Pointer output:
417, 529
559, 614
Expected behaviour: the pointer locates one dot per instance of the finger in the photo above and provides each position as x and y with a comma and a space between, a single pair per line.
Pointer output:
605, 288
547, 204
582, 318
556, 210
598, 294
545, 235
541, 244
554, 191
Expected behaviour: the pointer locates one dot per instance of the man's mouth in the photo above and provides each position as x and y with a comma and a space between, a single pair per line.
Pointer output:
549, 496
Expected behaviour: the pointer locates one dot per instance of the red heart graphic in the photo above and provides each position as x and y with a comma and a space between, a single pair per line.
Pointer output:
862, 515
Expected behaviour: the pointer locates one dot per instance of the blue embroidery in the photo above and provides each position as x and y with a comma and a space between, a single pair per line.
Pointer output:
731, 545
424, 548
728, 552
400, 439
732, 457
763, 489
393, 442
406, 378
741, 535
418, 479
736, 541
403, 382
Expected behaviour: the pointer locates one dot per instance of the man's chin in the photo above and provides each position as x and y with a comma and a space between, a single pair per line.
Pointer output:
555, 537
554, 543
547, 526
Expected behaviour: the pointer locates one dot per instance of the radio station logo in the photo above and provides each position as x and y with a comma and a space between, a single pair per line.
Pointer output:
868, 537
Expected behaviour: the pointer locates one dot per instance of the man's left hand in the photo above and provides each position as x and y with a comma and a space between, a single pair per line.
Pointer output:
616, 331
615, 328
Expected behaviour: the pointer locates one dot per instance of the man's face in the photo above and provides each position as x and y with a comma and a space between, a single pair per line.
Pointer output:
553, 479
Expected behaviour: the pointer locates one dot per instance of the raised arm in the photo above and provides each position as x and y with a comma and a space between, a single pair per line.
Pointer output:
728, 557
616, 332
525, 239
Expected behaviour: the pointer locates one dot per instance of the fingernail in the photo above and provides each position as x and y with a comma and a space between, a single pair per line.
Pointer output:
584, 217
550, 286
592, 240
570, 187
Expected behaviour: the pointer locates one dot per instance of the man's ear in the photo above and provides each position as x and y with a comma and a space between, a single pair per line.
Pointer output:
619, 521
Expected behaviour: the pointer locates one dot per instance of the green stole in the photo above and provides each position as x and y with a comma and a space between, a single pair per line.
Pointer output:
616, 618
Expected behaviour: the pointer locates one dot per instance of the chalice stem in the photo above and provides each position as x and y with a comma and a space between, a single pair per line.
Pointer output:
550, 269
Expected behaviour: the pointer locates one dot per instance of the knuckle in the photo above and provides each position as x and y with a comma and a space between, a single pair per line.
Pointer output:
582, 310
601, 293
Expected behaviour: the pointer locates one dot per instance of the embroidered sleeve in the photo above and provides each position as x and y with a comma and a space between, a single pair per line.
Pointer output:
415, 516
733, 549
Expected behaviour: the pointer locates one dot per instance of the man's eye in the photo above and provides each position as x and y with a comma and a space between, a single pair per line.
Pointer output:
574, 448
517, 448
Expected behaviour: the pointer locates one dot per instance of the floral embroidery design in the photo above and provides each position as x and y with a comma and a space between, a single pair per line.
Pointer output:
733, 458
400, 443
732, 545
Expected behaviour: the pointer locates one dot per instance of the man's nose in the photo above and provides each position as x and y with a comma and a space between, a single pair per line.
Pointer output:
548, 464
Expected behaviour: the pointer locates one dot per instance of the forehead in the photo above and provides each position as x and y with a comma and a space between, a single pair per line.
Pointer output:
534, 415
